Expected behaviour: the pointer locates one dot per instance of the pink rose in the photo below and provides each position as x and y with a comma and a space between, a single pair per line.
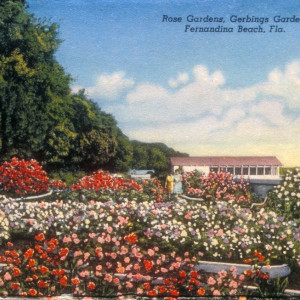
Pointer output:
67, 239
109, 229
232, 292
98, 267
126, 260
7, 276
100, 240
108, 277
92, 235
77, 253
211, 281
220, 232
233, 284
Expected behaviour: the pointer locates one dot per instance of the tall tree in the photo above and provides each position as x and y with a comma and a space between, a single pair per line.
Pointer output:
96, 143
30, 79
124, 155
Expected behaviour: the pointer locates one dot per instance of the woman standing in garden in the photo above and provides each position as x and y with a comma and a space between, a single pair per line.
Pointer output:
169, 184
177, 183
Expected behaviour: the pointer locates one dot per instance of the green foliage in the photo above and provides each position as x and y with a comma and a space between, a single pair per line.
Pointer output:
69, 177
39, 117
273, 288
284, 170
30, 79
284, 198
98, 136
153, 156
193, 181
121, 162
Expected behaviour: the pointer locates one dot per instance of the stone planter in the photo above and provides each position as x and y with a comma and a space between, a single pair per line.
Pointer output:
29, 198
214, 267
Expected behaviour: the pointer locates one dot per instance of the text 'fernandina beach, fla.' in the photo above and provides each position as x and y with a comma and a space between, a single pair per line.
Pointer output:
250, 24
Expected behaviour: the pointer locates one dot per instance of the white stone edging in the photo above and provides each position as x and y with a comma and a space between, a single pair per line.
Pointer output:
214, 267
28, 198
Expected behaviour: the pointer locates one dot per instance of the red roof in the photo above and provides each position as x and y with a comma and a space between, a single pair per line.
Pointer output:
226, 161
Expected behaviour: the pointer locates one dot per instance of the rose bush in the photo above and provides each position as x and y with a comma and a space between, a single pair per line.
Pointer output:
104, 181
215, 186
285, 198
23, 177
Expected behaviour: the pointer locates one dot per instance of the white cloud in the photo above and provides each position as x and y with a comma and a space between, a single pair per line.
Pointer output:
76, 88
154, 102
234, 114
271, 110
203, 117
147, 92
108, 86
181, 79
202, 76
285, 84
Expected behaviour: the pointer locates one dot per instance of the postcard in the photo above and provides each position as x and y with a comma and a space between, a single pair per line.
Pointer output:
150, 148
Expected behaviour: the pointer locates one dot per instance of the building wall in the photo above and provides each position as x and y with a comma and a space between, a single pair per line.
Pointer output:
202, 169
245, 171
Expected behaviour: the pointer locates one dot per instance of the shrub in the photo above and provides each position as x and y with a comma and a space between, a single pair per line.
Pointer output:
285, 197
215, 186
22, 178
57, 185
69, 177
104, 181
153, 188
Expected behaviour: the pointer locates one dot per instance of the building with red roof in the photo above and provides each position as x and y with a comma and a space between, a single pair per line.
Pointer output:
247, 166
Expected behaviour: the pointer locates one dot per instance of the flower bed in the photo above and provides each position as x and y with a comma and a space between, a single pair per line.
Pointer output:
125, 218
106, 265
221, 231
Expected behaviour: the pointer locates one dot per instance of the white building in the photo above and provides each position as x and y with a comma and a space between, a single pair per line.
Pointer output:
252, 167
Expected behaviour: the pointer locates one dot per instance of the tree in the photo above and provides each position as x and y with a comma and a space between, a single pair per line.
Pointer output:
39, 117
140, 156
124, 155
96, 143
30, 80
153, 156
157, 160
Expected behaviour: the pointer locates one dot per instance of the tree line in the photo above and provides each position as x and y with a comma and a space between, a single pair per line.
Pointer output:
39, 116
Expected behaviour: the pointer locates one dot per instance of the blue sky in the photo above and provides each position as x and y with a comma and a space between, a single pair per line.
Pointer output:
202, 93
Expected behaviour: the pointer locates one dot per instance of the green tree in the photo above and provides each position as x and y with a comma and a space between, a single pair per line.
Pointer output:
30, 79
153, 156
96, 144
157, 160
140, 156
124, 155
